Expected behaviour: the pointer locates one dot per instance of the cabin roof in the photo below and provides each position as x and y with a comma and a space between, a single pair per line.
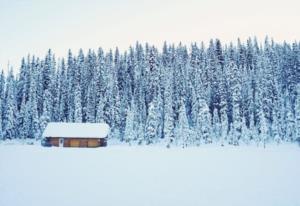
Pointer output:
76, 130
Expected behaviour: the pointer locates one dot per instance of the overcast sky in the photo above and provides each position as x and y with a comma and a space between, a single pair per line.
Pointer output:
33, 26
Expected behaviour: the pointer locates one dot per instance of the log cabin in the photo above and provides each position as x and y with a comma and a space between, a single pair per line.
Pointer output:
61, 134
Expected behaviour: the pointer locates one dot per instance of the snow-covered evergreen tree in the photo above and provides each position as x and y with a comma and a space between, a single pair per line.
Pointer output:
168, 113
263, 129
216, 126
63, 93
23, 119
297, 114
10, 110
204, 122
130, 133
1, 130
235, 89
182, 130
290, 122
224, 126
77, 103
91, 103
35, 131
100, 112
152, 123
46, 116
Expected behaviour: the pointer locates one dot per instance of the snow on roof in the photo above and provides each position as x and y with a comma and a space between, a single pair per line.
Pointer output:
76, 130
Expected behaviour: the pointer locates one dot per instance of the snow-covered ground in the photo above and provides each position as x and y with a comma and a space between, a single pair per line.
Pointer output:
31, 175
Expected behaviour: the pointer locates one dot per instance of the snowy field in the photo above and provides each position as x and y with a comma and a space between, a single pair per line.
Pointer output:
31, 175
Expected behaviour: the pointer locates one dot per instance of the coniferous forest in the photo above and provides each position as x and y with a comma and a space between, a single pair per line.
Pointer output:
246, 92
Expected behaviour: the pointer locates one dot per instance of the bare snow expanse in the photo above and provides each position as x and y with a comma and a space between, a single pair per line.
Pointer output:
31, 175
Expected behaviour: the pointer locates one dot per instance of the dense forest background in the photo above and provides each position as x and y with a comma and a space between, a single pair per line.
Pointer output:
241, 93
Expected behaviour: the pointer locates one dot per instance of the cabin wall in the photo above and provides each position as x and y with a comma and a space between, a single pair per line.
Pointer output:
93, 143
54, 141
79, 142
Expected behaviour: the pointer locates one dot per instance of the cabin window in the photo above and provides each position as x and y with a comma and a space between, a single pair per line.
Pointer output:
61, 142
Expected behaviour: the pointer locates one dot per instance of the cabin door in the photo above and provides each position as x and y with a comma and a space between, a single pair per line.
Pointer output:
61, 142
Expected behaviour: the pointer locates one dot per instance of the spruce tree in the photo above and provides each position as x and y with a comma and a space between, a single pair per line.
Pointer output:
152, 123
100, 112
182, 130
10, 110
203, 122
235, 90
23, 123
297, 115
63, 93
168, 113
290, 122
216, 126
46, 116
130, 133
77, 103
1, 130
224, 126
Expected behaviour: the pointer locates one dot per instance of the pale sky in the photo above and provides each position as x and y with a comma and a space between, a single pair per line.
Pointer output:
33, 26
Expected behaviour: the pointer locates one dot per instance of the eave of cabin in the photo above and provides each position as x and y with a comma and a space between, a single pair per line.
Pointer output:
76, 130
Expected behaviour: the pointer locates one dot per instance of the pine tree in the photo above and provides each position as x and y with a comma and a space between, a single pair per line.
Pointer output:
297, 115
216, 126
10, 110
54, 89
71, 81
224, 126
46, 116
252, 129
35, 131
91, 103
130, 133
1, 131
182, 130
81, 86
203, 122
139, 93
151, 127
275, 129
63, 93
152, 75
235, 90
263, 130
77, 103
115, 113
48, 70
23, 123
168, 113
269, 92
290, 121
100, 112
21, 84
236, 125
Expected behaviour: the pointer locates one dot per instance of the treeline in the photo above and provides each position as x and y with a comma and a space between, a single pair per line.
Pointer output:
248, 92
